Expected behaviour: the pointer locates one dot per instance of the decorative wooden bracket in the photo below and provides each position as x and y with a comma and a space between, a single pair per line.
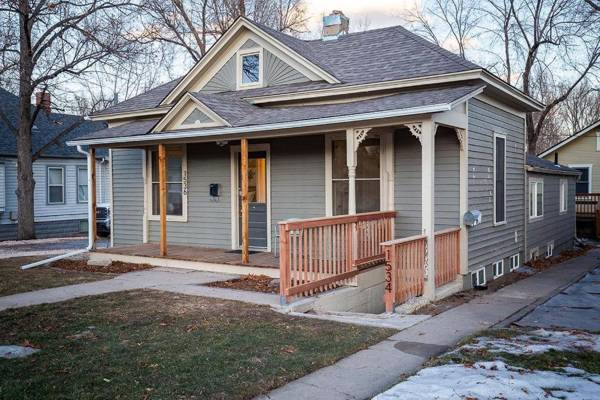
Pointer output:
360, 134
461, 135
416, 130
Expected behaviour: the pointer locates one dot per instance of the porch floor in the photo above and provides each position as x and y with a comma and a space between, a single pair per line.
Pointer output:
195, 254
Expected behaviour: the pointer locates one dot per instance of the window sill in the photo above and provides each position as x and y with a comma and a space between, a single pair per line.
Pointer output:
170, 218
500, 223
533, 219
562, 212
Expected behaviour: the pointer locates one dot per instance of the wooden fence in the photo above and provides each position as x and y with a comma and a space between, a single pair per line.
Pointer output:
586, 204
320, 254
447, 256
404, 269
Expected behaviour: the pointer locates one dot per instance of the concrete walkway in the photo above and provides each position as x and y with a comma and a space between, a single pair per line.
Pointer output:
371, 371
175, 280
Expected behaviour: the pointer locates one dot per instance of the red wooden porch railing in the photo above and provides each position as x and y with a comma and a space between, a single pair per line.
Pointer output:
320, 254
404, 269
447, 256
586, 204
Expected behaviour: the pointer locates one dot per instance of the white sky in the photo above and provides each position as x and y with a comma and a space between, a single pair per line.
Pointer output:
377, 13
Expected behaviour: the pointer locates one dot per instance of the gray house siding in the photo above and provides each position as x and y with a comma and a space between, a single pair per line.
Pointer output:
407, 186
489, 243
553, 226
128, 196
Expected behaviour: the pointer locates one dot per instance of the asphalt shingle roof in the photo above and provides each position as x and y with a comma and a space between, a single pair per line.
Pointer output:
238, 112
45, 128
363, 57
536, 162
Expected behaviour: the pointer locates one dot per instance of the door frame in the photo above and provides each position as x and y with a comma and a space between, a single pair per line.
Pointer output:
235, 221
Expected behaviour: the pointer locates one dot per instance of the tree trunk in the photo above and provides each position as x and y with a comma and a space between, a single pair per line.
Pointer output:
532, 137
25, 182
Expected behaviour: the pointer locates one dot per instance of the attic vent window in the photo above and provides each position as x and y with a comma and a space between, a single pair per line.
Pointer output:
250, 68
197, 117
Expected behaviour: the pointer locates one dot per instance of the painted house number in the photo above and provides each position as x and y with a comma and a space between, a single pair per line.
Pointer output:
388, 277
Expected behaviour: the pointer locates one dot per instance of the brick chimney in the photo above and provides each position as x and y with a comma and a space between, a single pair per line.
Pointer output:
335, 25
43, 100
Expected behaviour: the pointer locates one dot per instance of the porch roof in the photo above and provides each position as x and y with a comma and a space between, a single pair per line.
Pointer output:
244, 117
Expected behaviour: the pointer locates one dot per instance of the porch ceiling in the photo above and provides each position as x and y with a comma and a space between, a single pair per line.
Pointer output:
247, 119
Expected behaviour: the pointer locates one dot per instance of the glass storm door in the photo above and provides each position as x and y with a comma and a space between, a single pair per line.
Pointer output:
257, 196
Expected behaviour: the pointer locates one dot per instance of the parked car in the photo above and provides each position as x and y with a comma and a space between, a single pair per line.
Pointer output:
103, 219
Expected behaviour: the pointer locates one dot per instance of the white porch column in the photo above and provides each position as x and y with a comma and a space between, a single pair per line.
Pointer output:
354, 136
425, 131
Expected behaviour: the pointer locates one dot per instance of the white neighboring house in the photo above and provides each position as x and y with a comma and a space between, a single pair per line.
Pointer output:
60, 174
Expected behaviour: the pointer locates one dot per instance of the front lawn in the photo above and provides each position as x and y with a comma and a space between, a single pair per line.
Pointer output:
14, 280
147, 344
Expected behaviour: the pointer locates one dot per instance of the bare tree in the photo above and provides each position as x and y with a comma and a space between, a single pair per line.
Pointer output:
581, 108
444, 21
56, 39
499, 13
193, 25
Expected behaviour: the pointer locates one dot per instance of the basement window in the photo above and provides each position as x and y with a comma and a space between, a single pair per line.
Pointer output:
534, 253
549, 249
498, 268
478, 277
514, 262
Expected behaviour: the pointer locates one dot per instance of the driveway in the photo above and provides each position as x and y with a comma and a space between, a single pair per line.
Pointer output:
45, 247
576, 307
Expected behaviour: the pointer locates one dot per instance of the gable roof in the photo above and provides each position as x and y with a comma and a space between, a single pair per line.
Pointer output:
244, 117
45, 128
540, 165
569, 139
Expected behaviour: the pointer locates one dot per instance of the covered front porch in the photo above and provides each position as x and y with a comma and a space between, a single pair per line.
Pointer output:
315, 207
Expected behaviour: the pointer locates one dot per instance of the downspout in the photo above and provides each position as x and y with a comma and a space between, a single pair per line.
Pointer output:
90, 231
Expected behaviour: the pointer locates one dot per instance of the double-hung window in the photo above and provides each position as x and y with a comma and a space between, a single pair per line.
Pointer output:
499, 179
536, 198
56, 185
564, 195
368, 177
82, 184
176, 183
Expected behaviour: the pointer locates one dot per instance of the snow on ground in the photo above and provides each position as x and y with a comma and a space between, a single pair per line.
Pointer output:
537, 341
495, 380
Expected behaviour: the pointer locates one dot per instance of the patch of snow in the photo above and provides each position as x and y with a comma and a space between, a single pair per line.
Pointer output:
538, 341
12, 351
493, 380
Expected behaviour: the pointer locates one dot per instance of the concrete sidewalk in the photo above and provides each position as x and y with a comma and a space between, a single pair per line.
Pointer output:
175, 280
371, 371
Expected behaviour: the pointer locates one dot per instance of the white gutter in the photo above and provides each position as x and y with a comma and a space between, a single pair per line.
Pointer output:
90, 231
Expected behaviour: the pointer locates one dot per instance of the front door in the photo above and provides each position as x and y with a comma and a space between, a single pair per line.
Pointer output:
257, 196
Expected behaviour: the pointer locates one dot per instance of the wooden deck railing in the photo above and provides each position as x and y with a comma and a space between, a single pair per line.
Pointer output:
405, 265
320, 254
586, 204
447, 256
404, 269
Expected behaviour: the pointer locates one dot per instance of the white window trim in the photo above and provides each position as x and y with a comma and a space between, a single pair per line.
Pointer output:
62, 169
476, 273
534, 205
597, 141
564, 196
235, 228
245, 52
79, 167
497, 265
170, 218
212, 123
589, 167
503, 137
549, 249
514, 262
386, 170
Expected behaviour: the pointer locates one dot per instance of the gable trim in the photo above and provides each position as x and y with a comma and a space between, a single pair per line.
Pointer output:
185, 100
569, 139
222, 43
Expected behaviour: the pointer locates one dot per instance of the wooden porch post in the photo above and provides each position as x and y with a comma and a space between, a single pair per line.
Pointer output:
92, 197
426, 133
464, 199
245, 205
351, 164
162, 183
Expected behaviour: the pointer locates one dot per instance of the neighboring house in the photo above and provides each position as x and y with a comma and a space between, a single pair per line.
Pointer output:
581, 151
379, 121
60, 173
551, 220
